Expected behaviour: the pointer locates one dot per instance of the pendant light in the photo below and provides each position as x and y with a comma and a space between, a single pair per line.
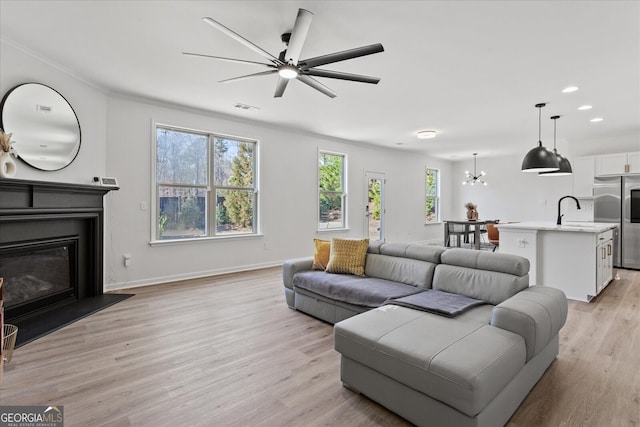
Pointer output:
540, 159
565, 165
472, 179
563, 162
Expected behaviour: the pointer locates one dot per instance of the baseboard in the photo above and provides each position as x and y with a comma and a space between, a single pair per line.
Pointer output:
187, 276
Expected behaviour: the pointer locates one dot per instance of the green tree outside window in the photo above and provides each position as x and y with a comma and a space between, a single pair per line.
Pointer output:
432, 195
331, 190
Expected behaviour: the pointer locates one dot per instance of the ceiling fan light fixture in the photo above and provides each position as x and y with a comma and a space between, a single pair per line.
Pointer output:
288, 64
426, 134
288, 71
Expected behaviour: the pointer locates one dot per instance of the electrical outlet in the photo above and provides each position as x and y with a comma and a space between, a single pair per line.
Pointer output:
126, 259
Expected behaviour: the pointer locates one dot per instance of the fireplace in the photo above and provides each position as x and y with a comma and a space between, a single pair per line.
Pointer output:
39, 274
51, 246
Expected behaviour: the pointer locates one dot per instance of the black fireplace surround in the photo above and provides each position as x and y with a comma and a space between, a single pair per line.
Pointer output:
51, 239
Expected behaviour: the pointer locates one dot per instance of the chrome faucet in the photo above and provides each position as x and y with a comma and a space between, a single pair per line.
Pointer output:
559, 222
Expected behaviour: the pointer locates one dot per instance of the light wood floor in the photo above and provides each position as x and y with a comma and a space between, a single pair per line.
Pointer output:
226, 351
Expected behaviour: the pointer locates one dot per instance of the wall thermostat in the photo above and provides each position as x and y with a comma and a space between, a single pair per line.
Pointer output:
105, 181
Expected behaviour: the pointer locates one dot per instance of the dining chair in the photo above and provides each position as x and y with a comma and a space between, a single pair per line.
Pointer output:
457, 230
493, 234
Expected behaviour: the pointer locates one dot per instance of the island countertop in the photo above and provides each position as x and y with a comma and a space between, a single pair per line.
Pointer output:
572, 226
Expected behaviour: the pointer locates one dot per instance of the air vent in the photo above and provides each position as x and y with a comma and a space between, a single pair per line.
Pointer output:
245, 107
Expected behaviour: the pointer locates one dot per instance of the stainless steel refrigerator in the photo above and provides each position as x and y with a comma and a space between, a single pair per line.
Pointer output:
617, 199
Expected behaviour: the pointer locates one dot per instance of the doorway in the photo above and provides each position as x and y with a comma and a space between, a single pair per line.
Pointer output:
374, 206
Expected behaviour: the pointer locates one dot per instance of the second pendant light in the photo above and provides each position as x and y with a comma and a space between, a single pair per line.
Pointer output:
563, 162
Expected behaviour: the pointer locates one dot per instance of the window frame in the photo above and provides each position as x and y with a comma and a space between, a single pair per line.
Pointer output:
343, 193
436, 198
211, 187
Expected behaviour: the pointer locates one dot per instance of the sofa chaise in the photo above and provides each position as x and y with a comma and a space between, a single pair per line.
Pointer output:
435, 368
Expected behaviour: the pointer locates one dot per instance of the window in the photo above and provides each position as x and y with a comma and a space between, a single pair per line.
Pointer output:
331, 190
205, 185
432, 195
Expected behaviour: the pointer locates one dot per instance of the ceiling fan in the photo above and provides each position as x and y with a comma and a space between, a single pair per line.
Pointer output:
288, 64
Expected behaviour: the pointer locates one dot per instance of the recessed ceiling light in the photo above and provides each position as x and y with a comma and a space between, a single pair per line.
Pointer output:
570, 89
596, 119
426, 134
584, 107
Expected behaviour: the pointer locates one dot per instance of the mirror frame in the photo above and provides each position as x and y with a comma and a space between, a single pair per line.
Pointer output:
33, 163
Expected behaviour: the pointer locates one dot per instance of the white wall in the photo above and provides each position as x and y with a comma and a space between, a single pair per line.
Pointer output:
288, 195
89, 103
512, 195
116, 141
613, 144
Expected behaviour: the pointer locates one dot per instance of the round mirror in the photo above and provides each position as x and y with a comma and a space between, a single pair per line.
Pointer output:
44, 127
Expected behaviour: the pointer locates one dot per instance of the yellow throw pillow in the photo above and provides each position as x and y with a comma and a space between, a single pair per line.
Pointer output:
321, 254
347, 256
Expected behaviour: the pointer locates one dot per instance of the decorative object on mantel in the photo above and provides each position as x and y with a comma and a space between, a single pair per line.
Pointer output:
472, 211
540, 159
563, 162
472, 179
7, 164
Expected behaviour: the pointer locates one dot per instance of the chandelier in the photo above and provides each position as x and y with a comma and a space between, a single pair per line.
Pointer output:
474, 178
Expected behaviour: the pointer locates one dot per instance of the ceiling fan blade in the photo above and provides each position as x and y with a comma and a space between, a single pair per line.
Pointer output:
298, 36
341, 56
316, 72
248, 76
237, 37
241, 61
281, 86
317, 85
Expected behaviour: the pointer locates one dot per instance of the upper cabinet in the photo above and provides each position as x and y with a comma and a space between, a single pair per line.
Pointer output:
618, 164
634, 162
583, 173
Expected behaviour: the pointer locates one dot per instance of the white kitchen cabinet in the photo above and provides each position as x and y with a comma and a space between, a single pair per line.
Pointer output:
583, 173
634, 162
617, 164
604, 261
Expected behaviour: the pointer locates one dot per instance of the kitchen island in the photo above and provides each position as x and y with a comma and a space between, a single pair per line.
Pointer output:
576, 257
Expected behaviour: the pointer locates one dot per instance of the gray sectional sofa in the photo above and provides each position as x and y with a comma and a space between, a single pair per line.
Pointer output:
471, 369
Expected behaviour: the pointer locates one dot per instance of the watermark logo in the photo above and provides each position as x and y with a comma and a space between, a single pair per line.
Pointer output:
31, 416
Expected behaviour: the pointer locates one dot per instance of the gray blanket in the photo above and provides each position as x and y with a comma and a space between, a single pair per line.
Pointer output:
438, 302
358, 290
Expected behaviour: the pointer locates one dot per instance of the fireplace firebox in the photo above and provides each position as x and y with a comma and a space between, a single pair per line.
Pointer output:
38, 274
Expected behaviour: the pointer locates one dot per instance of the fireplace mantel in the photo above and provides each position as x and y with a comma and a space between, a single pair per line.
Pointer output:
32, 211
17, 195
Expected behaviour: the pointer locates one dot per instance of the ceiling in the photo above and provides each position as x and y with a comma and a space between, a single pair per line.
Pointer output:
472, 70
